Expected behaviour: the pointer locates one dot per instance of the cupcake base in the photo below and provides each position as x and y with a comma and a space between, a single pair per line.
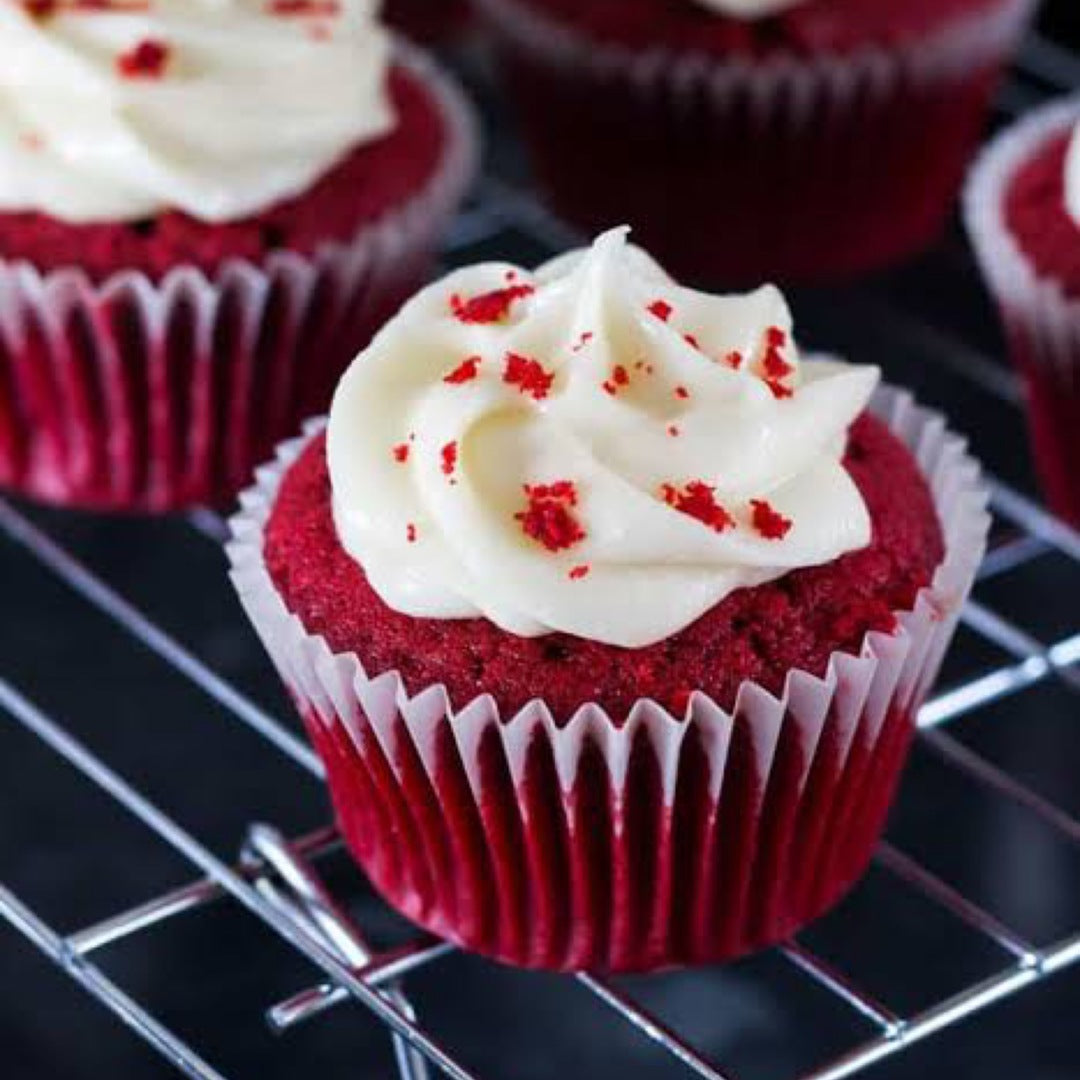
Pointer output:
1041, 313
738, 171
631, 842
149, 393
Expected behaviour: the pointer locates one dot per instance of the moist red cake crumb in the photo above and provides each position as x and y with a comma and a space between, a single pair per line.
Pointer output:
362, 188
811, 26
760, 633
1036, 216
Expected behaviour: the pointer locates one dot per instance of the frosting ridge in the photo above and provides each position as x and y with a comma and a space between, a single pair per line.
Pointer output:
591, 449
115, 110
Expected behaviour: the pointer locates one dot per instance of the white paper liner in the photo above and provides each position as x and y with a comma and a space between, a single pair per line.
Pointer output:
79, 397
891, 669
1035, 305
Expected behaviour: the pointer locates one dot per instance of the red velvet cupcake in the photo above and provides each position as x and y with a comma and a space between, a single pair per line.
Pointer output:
192, 250
1025, 227
609, 617
751, 139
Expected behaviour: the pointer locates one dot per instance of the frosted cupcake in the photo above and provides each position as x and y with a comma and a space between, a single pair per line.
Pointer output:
609, 614
192, 246
1023, 215
755, 139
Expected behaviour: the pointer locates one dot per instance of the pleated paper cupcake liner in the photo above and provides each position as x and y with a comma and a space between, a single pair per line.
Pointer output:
623, 843
740, 170
131, 394
1042, 320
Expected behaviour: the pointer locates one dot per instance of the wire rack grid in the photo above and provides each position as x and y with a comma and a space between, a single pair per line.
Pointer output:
275, 881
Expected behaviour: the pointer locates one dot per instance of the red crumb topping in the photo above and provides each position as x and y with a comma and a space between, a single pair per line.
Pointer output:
492, 307
548, 519
779, 390
661, 309
619, 377
583, 341
528, 375
579, 572
401, 453
673, 431
323, 8
410, 533
768, 522
698, 500
691, 341
147, 60
682, 392
734, 359
449, 458
775, 338
465, 372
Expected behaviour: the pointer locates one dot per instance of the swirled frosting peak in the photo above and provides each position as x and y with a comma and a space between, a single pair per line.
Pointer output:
114, 110
748, 9
590, 449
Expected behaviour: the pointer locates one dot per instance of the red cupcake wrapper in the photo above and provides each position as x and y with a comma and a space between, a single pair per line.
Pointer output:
623, 843
1042, 320
786, 167
135, 395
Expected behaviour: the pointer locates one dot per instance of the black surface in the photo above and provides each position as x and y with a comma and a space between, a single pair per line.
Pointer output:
75, 857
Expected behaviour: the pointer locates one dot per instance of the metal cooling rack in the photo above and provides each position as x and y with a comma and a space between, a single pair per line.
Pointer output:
274, 879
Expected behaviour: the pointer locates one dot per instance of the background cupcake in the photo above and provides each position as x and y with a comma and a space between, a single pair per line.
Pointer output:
193, 246
1023, 215
608, 615
753, 139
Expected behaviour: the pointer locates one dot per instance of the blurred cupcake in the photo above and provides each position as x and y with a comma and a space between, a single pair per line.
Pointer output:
609, 615
192, 244
430, 21
1023, 216
751, 139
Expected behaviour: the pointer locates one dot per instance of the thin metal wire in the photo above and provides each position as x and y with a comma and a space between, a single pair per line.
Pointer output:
930, 885
651, 1027
101, 987
843, 986
187, 898
77, 577
92, 767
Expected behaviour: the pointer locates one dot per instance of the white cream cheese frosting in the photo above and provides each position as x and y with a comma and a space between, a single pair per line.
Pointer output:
114, 110
748, 9
591, 449
1072, 177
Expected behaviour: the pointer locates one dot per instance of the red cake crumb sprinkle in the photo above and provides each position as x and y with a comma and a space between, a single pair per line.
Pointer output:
401, 453
579, 572
674, 431
661, 309
321, 8
779, 390
682, 392
449, 458
465, 372
528, 375
775, 338
410, 533
548, 520
147, 60
768, 522
488, 308
583, 341
734, 359
692, 341
698, 500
